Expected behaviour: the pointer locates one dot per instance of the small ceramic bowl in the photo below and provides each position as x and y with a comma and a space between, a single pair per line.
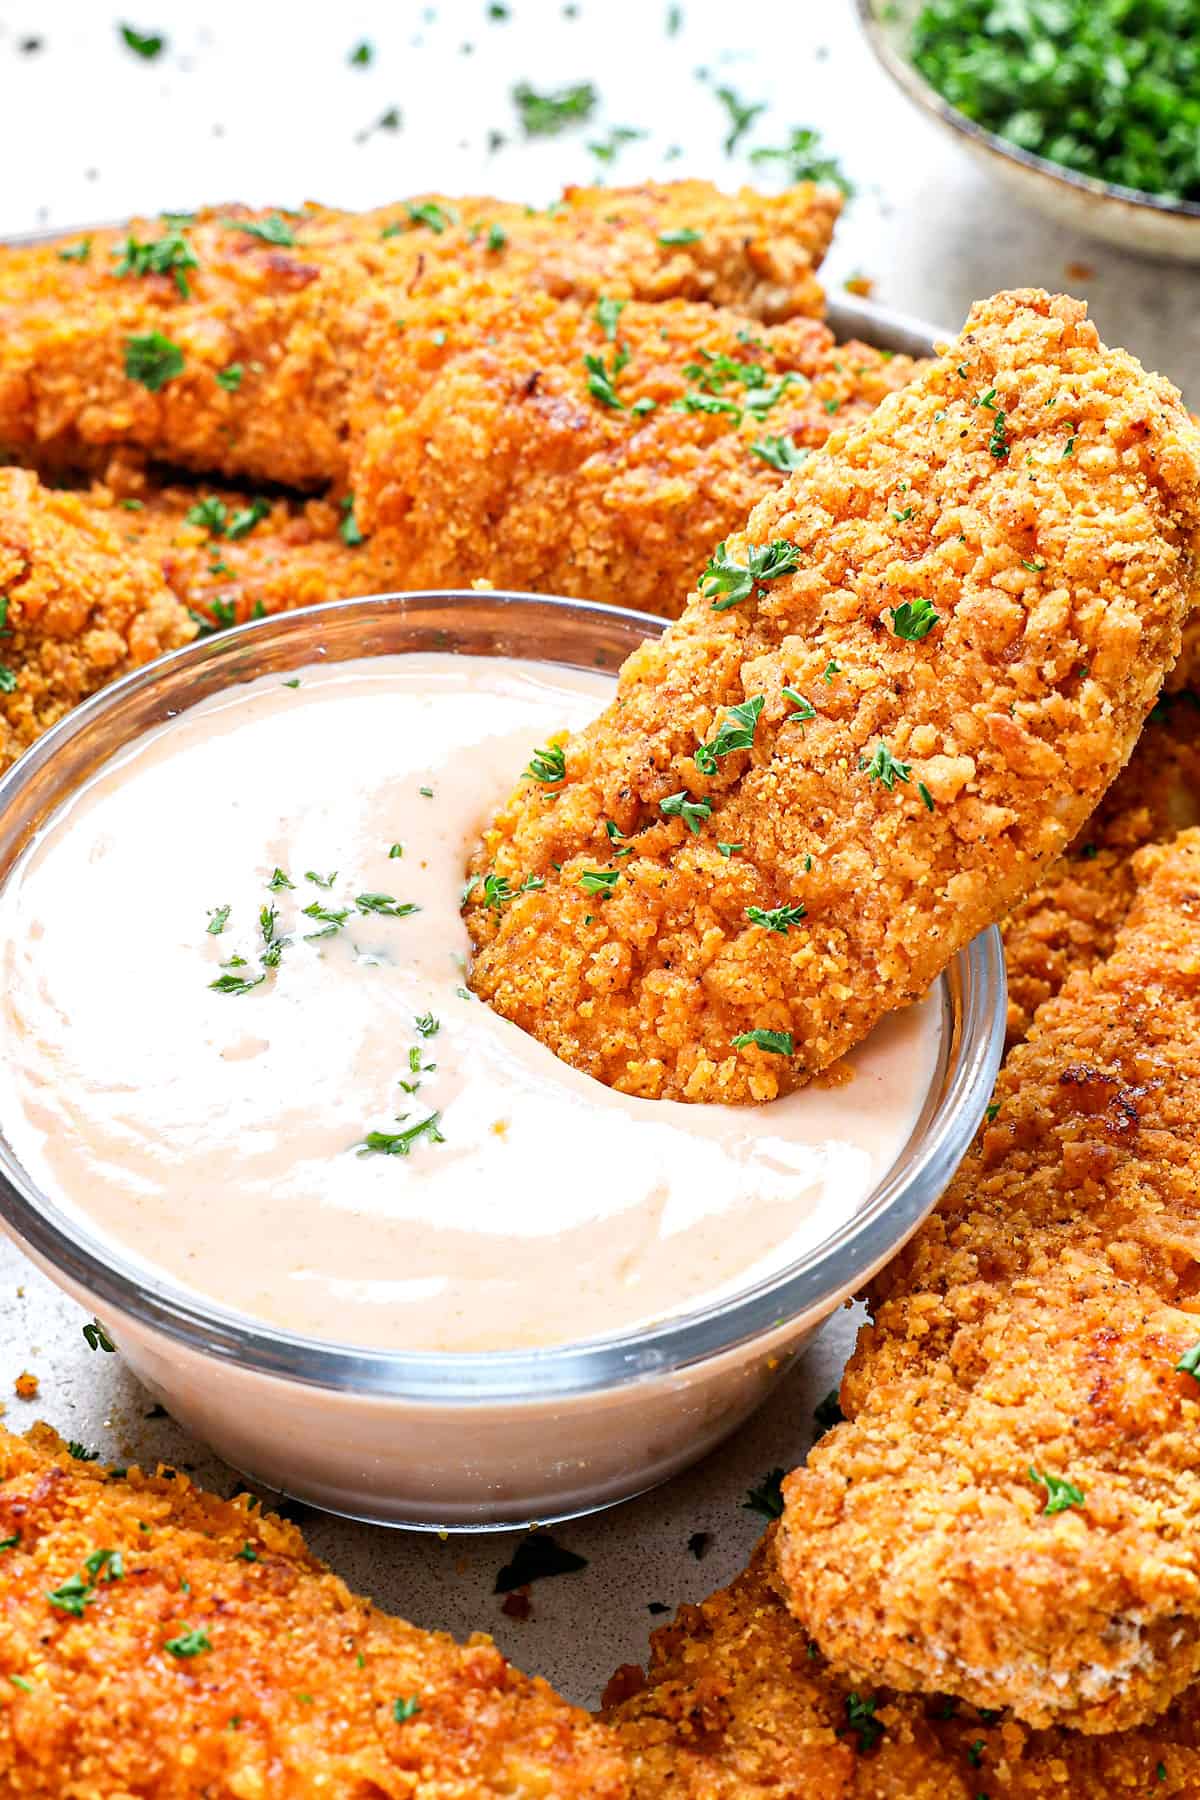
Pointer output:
1126, 217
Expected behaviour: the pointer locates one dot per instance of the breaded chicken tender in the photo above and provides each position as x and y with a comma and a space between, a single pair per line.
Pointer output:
894, 699
592, 450
556, 492
1071, 918
225, 341
158, 1642
77, 610
738, 1705
1012, 1513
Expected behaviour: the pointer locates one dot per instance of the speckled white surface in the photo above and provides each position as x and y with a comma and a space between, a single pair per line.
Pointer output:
259, 103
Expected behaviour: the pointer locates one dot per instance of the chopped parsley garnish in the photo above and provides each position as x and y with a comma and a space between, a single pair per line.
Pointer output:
279, 880
998, 442
330, 918
683, 235
321, 881
1069, 451
682, 806
247, 1553
230, 377
741, 116
105, 1565
189, 1643
767, 1497
1060, 1493
271, 230
395, 851
437, 218
428, 1026
152, 359
777, 918
386, 905
349, 530
608, 316
146, 44
8, 680
19, 1681
273, 945
780, 452
832, 668
497, 893
545, 115
914, 619
605, 150
548, 765
405, 1708
1101, 89
926, 797
209, 513
1189, 1362
10, 1543
885, 768
170, 254
74, 1594
97, 1338
362, 55
975, 1753
599, 881
802, 159
803, 710
861, 1720
244, 520
537, 1557
78, 252
235, 984
399, 1143
827, 1413
727, 850
779, 1043
80, 1452
735, 732
726, 582
601, 381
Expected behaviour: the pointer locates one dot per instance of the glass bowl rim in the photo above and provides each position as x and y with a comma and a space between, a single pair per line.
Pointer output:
836, 1266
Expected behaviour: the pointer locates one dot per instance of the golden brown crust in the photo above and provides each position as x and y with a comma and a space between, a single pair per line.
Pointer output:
1070, 920
737, 1705
1033, 1328
290, 315
80, 610
476, 436
1060, 561
293, 1689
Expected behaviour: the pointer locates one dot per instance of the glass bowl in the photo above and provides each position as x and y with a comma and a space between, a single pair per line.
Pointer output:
445, 1440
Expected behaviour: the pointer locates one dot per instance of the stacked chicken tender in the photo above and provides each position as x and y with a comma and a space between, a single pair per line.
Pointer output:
264, 410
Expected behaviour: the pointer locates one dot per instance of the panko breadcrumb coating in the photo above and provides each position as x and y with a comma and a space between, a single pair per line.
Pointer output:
738, 1705
1012, 1513
897, 696
1071, 918
160, 1643
530, 483
77, 609
597, 450
225, 341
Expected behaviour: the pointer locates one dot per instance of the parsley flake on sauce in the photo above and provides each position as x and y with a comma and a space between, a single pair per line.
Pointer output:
400, 1143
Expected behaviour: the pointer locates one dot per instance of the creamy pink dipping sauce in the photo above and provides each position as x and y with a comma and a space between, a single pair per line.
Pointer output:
220, 1136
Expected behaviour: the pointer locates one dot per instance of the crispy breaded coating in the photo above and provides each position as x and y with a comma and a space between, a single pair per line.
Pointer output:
1012, 1513
260, 317
901, 691
78, 610
738, 1705
592, 450
556, 494
1071, 918
158, 1642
